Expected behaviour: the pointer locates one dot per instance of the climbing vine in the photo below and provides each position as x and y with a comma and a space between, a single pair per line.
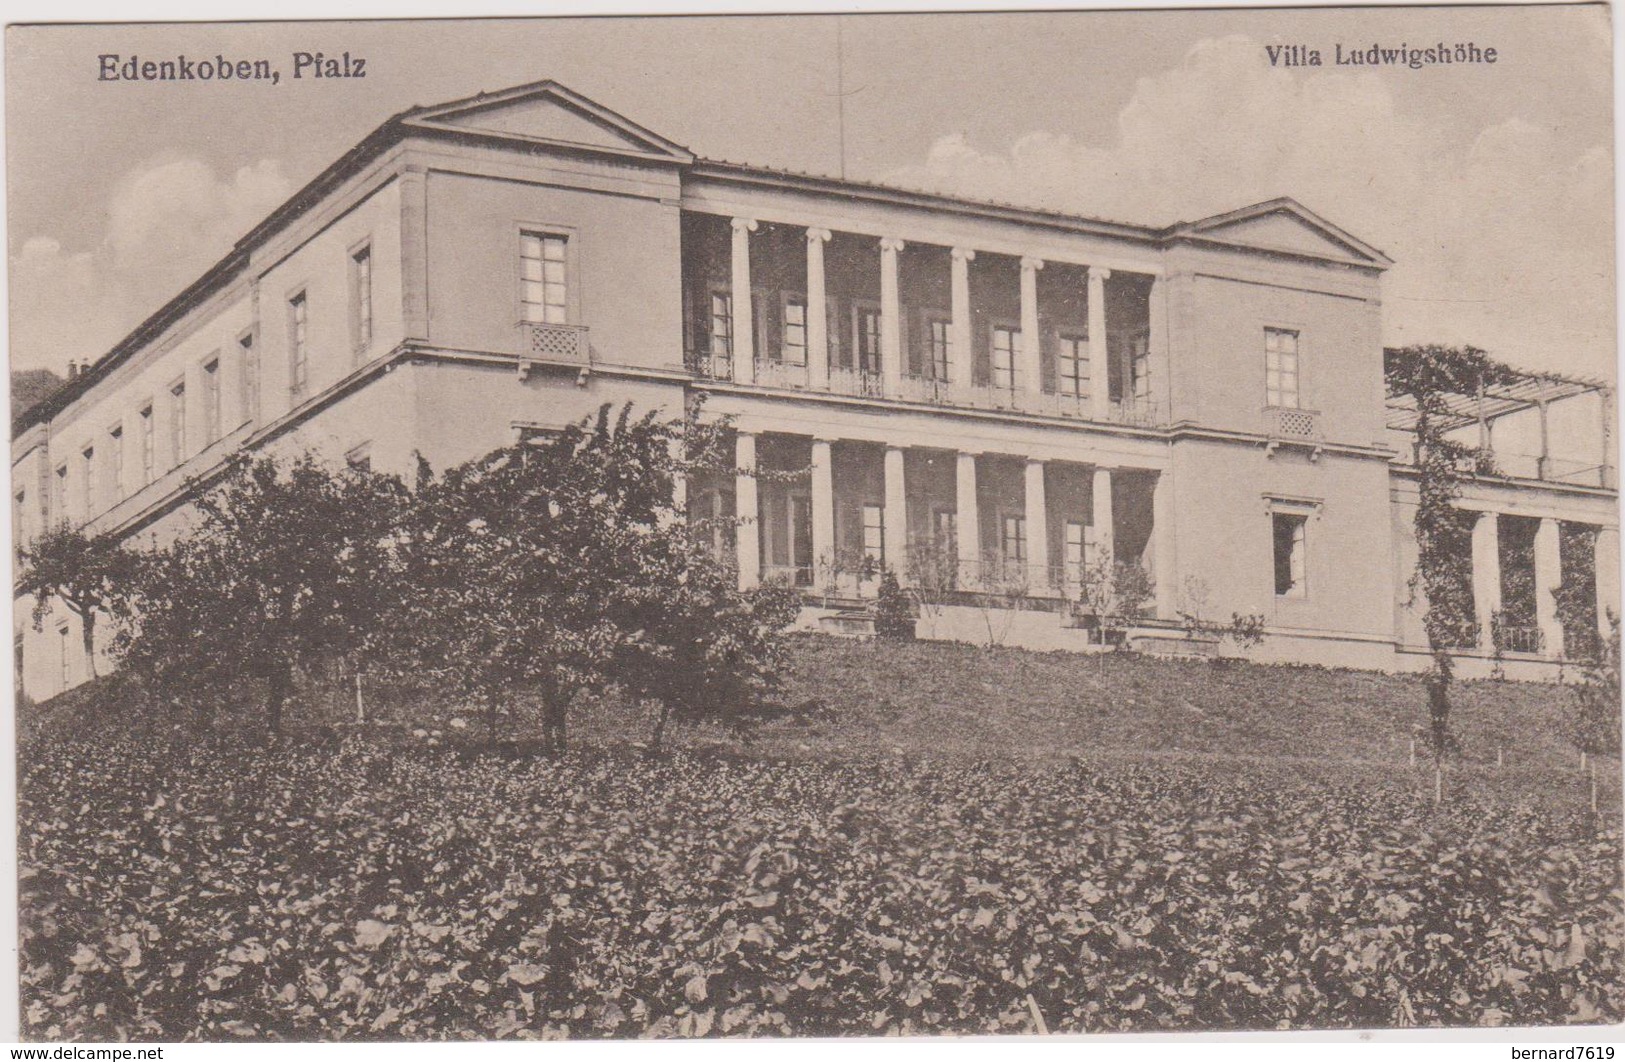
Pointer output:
1428, 375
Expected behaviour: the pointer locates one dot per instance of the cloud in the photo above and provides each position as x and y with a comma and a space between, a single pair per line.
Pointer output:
168, 220
1502, 240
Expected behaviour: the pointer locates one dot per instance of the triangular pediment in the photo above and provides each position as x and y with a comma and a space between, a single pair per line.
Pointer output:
1284, 226
549, 113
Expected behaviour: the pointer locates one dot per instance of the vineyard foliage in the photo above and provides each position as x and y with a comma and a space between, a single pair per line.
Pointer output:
352, 890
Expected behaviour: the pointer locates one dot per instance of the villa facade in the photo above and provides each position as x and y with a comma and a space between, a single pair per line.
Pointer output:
972, 393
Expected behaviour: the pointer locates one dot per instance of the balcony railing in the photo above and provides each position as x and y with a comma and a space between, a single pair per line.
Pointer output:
1517, 638
714, 366
855, 382
1292, 425
771, 373
555, 342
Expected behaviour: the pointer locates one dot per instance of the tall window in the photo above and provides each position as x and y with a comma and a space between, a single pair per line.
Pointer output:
115, 457
64, 646
721, 329
211, 400
1072, 367
544, 298
1006, 344
1072, 550
938, 333
88, 480
1013, 540
19, 514
361, 297
874, 533
299, 341
868, 329
793, 351
1140, 368
1281, 367
177, 424
59, 501
946, 530
1290, 530
251, 375
147, 443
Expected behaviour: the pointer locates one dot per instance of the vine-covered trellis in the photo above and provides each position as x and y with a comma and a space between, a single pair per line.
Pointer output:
1428, 378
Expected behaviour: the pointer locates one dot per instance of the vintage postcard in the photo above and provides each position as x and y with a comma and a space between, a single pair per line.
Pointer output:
1045, 523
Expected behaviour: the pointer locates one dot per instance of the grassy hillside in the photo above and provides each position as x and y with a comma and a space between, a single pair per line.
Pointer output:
848, 699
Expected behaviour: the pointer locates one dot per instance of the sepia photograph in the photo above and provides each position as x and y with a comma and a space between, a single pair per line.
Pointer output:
956, 523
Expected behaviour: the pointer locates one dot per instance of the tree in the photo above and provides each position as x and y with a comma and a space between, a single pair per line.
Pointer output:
1594, 717
283, 567
88, 573
1427, 376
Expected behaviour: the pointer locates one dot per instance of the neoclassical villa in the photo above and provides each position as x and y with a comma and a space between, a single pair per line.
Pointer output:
1021, 393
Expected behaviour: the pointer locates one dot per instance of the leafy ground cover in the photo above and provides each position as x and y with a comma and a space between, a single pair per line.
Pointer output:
923, 845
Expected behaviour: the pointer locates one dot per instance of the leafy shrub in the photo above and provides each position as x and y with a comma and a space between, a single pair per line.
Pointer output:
893, 610
346, 890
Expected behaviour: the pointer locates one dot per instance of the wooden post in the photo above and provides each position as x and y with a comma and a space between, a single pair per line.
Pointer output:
1593, 790
1438, 784
1413, 752
1498, 760
1545, 437
360, 707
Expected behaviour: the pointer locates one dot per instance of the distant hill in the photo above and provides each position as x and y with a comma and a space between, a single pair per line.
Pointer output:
31, 387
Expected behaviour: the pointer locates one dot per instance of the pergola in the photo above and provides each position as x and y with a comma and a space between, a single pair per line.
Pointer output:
1490, 401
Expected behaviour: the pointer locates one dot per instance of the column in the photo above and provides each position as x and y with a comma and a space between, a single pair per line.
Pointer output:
1605, 398
823, 508
817, 316
1606, 566
744, 322
891, 318
1543, 462
1029, 372
896, 517
1164, 568
748, 530
1548, 573
967, 520
1157, 347
1100, 395
1037, 521
959, 336
1486, 576
1102, 510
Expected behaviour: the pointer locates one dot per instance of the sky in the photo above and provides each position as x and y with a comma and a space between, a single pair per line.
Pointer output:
1490, 185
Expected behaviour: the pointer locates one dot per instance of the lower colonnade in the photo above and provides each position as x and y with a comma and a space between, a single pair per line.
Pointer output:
833, 515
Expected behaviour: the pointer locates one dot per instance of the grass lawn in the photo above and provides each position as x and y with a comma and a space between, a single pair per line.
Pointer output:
934, 698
